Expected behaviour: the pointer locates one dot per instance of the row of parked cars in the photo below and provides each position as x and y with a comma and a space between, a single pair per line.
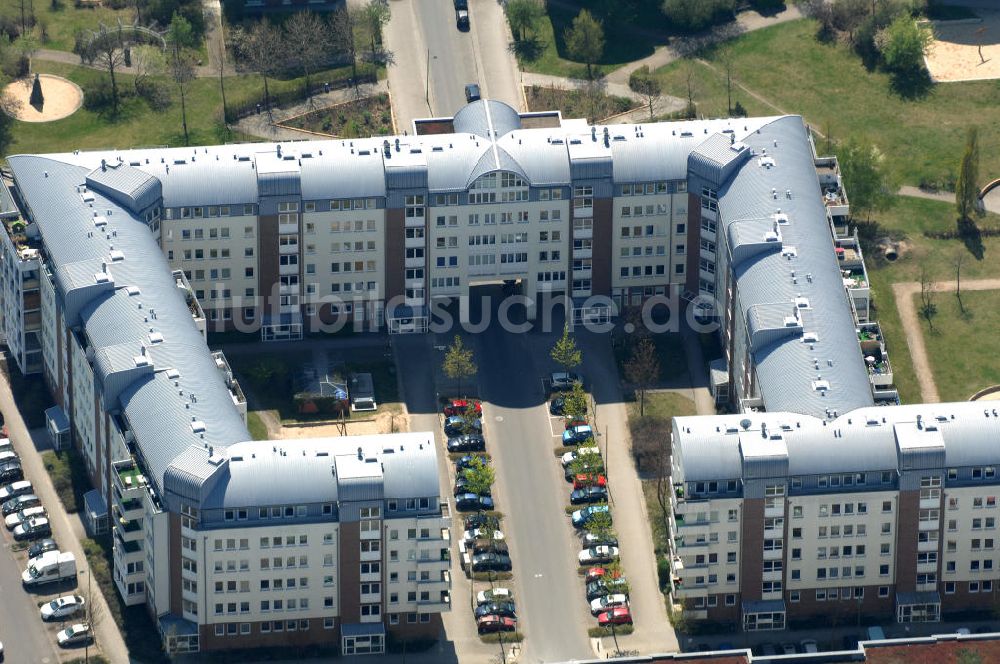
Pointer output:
583, 468
483, 546
25, 516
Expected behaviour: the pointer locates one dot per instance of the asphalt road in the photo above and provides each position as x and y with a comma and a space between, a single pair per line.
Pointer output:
452, 56
24, 636
532, 495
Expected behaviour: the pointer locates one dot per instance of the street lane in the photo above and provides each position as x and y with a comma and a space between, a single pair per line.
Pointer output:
532, 495
450, 54
24, 636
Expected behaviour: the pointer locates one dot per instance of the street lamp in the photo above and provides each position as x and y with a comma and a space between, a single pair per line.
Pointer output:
88, 613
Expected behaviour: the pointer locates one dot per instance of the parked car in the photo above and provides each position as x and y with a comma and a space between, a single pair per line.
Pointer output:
608, 602
62, 607
19, 503
597, 554
577, 435
479, 520
461, 406
582, 517
492, 624
491, 562
467, 442
590, 539
456, 425
496, 608
583, 450
468, 502
574, 422
462, 21
19, 517
42, 546
602, 573
562, 381
472, 92
466, 462
788, 649
596, 589
477, 546
588, 494
6, 445
461, 4
462, 486
617, 616
77, 635
557, 406
809, 645
11, 471
35, 528
479, 533
581, 480
494, 595
8, 455
15, 489
590, 465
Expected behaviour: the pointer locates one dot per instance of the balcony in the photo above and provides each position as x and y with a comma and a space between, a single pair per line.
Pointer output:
414, 222
413, 242
927, 546
413, 262
443, 603
926, 568
288, 248
583, 233
288, 269
925, 526
773, 554
879, 369
292, 227
870, 337
771, 576
685, 590
127, 548
583, 253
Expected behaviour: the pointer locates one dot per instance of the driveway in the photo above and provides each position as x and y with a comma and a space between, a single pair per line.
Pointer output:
426, 44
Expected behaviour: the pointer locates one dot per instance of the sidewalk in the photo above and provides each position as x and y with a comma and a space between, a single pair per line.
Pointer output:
66, 528
665, 104
265, 126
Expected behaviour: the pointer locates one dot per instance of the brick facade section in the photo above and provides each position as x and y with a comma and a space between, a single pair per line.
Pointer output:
267, 261
600, 276
907, 527
694, 242
395, 252
315, 635
752, 549
350, 572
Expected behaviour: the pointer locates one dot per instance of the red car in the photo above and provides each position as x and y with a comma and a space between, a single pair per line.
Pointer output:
595, 573
570, 423
582, 480
459, 406
620, 615
493, 623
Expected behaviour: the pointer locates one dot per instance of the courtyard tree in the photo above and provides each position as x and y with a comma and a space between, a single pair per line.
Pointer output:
458, 362
105, 49
928, 309
376, 14
866, 176
258, 47
903, 44
522, 14
585, 40
967, 188
342, 24
645, 83
695, 15
479, 476
179, 39
643, 370
727, 60
587, 463
957, 263
565, 353
312, 42
577, 405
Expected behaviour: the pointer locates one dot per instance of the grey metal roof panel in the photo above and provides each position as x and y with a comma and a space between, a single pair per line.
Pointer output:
128, 186
211, 179
650, 158
785, 372
278, 175
335, 170
503, 118
448, 168
543, 162
717, 157
472, 119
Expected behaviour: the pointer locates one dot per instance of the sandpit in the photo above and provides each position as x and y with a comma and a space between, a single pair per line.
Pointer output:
954, 53
62, 99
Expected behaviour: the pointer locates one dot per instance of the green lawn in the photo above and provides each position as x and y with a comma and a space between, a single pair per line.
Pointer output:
545, 50
830, 87
256, 426
62, 24
963, 348
709, 90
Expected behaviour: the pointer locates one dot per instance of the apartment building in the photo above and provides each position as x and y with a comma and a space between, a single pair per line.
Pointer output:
822, 498
228, 542
275, 239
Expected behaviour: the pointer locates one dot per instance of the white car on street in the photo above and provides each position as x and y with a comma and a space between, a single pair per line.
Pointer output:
17, 518
480, 533
62, 607
15, 489
494, 595
570, 457
608, 602
597, 554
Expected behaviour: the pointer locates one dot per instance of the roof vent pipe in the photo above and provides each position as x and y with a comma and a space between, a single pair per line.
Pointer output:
361, 454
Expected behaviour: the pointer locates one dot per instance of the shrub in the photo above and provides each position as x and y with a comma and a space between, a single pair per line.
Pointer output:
154, 93
69, 477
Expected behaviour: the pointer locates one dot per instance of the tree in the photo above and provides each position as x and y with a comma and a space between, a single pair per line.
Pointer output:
565, 353
522, 14
587, 464
643, 370
903, 44
691, 84
180, 37
341, 26
220, 67
695, 15
967, 188
959, 259
258, 47
600, 525
458, 363
645, 83
866, 176
106, 49
927, 307
376, 14
479, 476
577, 405
312, 39
848, 15
585, 40
726, 58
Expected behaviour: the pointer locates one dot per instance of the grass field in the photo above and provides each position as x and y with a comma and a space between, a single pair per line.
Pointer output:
545, 52
137, 124
828, 84
963, 347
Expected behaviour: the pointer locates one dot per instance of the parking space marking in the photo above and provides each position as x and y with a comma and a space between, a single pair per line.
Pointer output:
556, 426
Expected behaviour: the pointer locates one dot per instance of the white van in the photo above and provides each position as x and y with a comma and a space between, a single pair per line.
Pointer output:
876, 634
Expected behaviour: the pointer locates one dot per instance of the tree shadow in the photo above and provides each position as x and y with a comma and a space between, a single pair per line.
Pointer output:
528, 49
912, 85
972, 238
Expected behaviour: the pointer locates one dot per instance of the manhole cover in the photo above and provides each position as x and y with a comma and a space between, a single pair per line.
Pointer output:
499, 418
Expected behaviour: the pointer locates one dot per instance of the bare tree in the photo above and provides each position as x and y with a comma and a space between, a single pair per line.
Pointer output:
691, 82
220, 67
258, 47
927, 307
341, 26
959, 259
312, 43
645, 83
376, 14
106, 49
643, 370
726, 58
180, 37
